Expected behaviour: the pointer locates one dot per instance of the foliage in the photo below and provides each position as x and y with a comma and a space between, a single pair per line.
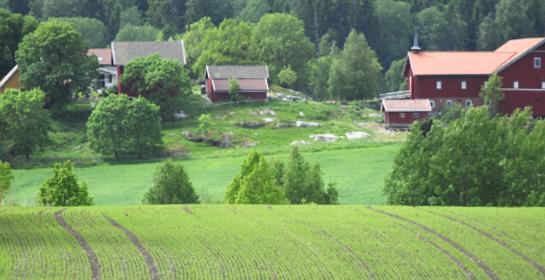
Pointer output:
205, 123
394, 80
476, 160
54, 59
119, 125
130, 16
234, 90
356, 74
304, 184
92, 30
441, 28
167, 15
6, 179
13, 27
163, 82
279, 41
492, 94
193, 39
394, 19
24, 123
287, 77
63, 189
255, 184
253, 10
138, 33
171, 186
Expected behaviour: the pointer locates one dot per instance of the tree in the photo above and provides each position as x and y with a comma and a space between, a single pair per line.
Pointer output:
130, 33
279, 41
130, 16
356, 74
106, 128
489, 37
254, 10
92, 30
441, 28
394, 79
217, 10
6, 178
143, 123
171, 186
234, 90
513, 20
162, 81
13, 27
492, 94
194, 37
395, 21
167, 15
63, 189
287, 76
54, 59
25, 121
255, 184
205, 122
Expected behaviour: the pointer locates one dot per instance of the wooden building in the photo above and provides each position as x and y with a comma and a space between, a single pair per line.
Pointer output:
252, 82
400, 114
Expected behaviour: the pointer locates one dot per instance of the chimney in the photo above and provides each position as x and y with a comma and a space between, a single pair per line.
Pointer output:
416, 47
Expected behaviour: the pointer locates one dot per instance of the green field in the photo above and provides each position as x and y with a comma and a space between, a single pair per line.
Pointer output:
359, 174
271, 242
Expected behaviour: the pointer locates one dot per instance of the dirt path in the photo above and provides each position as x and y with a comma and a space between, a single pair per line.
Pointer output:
154, 273
490, 236
491, 274
91, 256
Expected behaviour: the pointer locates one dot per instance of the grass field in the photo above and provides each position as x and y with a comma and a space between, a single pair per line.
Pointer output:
278, 242
358, 172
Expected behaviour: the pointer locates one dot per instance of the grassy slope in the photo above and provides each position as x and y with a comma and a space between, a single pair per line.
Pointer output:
359, 174
258, 242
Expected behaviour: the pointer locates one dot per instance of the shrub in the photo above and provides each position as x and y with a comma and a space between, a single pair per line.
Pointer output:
6, 178
171, 186
63, 189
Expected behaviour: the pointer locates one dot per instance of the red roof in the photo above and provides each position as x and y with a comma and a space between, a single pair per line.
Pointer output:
104, 55
245, 85
406, 105
470, 63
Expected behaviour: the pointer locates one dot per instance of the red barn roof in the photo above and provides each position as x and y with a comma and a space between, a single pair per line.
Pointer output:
406, 105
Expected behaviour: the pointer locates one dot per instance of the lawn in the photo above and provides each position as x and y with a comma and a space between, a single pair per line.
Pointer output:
358, 172
278, 242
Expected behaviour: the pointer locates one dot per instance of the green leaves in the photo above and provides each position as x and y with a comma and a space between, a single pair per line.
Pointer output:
62, 188
171, 186
6, 178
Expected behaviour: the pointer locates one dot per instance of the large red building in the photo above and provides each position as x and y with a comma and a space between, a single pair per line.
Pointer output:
445, 78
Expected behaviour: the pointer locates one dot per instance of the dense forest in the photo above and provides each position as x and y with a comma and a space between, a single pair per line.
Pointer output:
236, 31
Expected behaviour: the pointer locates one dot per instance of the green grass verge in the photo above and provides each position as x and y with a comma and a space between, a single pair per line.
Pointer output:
280, 242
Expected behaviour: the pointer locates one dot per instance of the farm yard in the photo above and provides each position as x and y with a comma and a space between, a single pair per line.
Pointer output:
278, 242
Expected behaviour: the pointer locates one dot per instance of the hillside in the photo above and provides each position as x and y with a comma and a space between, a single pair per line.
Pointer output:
278, 242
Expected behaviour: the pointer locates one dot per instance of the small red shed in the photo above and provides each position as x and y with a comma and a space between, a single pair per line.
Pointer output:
252, 82
400, 114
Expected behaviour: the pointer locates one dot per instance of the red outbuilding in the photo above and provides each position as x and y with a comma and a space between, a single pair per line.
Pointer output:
252, 82
400, 114
445, 78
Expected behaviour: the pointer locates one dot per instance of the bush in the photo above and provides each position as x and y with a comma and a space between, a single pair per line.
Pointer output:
63, 189
24, 123
171, 186
6, 178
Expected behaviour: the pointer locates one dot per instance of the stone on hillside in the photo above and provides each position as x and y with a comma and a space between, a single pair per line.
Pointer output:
268, 120
267, 112
285, 124
301, 114
300, 143
306, 124
327, 137
180, 115
251, 124
356, 135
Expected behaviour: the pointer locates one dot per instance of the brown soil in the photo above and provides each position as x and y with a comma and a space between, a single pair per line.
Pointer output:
91, 256
154, 273
491, 274
187, 210
490, 236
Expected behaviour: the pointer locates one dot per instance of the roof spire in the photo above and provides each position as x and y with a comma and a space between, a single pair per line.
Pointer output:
416, 47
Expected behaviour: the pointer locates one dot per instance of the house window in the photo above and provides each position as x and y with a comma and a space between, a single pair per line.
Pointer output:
416, 115
432, 104
537, 62
464, 85
110, 79
402, 115
439, 85
469, 103
516, 84
448, 102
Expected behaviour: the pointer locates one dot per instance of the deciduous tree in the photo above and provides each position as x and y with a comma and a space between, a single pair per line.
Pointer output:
13, 27
6, 178
171, 186
130, 33
92, 30
63, 189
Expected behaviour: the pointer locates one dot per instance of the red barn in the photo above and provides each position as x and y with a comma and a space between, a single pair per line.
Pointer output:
252, 82
400, 114
446, 78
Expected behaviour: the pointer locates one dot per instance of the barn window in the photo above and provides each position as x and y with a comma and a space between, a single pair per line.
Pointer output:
448, 102
537, 62
439, 85
432, 103
469, 103
416, 115
402, 115
516, 84
463, 85
543, 85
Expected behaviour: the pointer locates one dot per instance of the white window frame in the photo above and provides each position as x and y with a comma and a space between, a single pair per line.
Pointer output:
537, 63
448, 102
463, 85
516, 84
469, 103
402, 115
438, 85
543, 85
416, 115
432, 104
